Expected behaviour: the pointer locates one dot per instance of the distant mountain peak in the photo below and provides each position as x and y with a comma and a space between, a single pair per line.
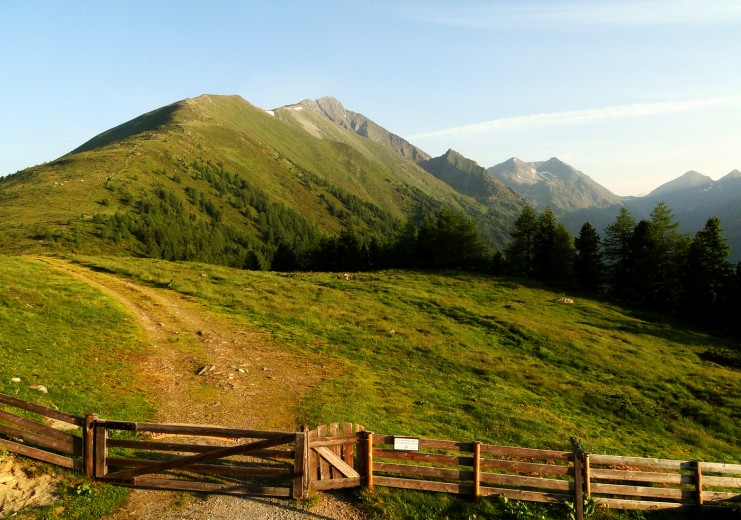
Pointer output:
553, 183
735, 174
466, 176
689, 180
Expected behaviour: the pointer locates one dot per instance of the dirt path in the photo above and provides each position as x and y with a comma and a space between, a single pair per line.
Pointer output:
254, 384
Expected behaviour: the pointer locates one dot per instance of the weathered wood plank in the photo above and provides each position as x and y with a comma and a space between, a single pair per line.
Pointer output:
182, 462
65, 445
732, 482
35, 453
368, 458
642, 462
529, 453
640, 491
324, 470
336, 462
335, 441
451, 460
313, 463
245, 471
349, 447
720, 496
42, 410
476, 470
187, 429
193, 448
33, 426
718, 467
100, 439
300, 483
642, 476
337, 483
529, 496
88, 445
422, 471
527, 467
532, 482
644, 505
424, 485
208, 487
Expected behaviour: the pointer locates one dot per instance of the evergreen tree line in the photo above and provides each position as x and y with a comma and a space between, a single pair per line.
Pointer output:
647, 263
447, 239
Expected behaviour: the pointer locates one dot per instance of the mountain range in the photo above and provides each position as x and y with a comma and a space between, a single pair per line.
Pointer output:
218, 171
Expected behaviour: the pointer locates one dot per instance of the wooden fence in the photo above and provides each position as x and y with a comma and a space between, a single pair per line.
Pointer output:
40, 441
337, 456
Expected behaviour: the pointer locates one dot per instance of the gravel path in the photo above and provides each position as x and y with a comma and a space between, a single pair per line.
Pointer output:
161, 505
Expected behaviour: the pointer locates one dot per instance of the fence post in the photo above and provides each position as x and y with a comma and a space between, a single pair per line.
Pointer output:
587, 476
88, 445
476, 469
100, 434
367, 438
300, 466
698, 483
578, 479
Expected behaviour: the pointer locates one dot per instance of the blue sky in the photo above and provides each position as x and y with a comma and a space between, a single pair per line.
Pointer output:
633, 93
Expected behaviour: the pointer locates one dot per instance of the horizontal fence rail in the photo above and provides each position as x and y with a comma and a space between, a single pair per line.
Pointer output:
38, 440
340, 455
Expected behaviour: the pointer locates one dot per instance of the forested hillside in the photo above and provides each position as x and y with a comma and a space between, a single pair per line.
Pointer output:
215, 179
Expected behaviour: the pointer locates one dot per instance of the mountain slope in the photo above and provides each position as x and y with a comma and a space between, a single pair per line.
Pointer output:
553, 183
216, 179
333, 110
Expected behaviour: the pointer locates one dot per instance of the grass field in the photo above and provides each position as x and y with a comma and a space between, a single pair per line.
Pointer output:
79, 344
441, 355
462, 356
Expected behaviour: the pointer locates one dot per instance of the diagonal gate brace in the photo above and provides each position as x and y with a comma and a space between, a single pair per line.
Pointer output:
336, 462
182, 462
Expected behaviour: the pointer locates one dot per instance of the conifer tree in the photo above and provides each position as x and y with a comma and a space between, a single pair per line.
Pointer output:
521, 249
553, 251
616, 252
667, 260
588, 258
708, 278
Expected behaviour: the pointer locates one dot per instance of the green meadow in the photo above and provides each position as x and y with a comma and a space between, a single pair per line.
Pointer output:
463, 356
446, 355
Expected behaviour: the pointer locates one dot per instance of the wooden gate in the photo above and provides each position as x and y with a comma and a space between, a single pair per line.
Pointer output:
333, 456
213, 459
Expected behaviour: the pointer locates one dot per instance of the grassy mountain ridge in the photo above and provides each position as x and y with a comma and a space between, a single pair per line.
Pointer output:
223, 175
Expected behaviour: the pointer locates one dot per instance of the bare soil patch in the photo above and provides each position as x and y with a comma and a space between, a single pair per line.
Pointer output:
19, 489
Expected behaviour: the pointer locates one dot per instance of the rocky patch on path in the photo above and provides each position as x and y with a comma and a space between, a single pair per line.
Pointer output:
19, 489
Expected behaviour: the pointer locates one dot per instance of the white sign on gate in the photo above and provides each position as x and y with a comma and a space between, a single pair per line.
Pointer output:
406, 443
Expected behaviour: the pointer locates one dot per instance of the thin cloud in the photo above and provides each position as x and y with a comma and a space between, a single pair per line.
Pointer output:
580, 13
585, 116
